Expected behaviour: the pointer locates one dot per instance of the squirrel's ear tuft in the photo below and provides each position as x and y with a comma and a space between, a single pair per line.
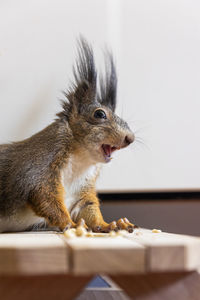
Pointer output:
108, 86
84, 87
67, 106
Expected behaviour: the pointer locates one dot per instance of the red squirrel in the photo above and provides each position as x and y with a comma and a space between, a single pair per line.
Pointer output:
48, 180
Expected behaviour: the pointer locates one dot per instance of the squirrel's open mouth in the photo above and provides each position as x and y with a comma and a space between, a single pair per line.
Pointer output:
107, 151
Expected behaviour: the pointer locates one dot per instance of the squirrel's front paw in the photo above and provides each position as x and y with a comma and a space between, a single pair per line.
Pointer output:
124, 224
121, 224
81, 223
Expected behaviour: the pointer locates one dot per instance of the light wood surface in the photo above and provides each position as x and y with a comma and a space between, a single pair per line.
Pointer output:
106, 255
139, 252
168, 252
33, 253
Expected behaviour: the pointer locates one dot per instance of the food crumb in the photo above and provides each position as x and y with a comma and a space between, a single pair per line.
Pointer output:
70, 233
156, 230
89, 234
80, 231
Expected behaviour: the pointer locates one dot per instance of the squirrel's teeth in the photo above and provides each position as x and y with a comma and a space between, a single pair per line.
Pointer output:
107, 150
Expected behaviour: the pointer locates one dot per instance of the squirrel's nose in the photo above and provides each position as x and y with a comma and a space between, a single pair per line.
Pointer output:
128, 140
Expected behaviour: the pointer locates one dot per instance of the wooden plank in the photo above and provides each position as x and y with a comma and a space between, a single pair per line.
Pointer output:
51, 287
141, 251
32, 253
106, 255
168, 252
161, 286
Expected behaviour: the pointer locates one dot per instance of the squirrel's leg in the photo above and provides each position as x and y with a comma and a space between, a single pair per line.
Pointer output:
87, 208
48, 203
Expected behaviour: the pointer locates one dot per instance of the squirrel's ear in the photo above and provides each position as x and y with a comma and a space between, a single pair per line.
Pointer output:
84, 87
108, 86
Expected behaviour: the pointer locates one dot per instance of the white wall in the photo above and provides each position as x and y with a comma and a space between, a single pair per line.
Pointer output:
160, 89
157, 46
37, 49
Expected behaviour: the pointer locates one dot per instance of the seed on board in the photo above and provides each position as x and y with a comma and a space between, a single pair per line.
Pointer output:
89, 234
156, 230
70, 233
112, 233
81, 231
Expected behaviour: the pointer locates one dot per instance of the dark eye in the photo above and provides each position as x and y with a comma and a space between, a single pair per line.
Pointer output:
100, 114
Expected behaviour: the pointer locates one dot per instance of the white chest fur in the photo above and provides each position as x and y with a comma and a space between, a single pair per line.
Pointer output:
77, 173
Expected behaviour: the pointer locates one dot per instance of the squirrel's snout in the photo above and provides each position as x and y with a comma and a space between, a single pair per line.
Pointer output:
128, 140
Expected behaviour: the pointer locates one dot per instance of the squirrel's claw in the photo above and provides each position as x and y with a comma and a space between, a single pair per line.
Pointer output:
124, 224
121, 224
81, 223
105, 228
110, 227
97, 229
68, 226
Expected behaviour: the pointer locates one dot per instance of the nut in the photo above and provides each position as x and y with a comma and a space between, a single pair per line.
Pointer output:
156, 230
70, 233
81, 231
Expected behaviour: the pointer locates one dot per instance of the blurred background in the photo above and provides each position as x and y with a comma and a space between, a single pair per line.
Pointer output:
156, 45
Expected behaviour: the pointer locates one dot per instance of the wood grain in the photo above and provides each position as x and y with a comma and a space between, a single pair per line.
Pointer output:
33, 253
139, 252
168, 252
104, 254
165, 286
51, 287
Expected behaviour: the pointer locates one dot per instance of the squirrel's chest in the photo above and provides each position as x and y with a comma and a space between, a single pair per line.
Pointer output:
76, 175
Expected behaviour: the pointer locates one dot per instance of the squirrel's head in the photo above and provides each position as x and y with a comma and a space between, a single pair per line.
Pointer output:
90, 113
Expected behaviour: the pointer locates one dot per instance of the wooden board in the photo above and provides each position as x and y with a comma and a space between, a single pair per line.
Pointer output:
139, 252
106, 255
32, 253
161, 286
168, 252
51, 287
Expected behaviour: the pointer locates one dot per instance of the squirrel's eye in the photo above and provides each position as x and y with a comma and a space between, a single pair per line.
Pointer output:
100, 114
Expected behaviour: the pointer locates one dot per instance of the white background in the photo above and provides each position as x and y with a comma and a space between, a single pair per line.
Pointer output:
157, 49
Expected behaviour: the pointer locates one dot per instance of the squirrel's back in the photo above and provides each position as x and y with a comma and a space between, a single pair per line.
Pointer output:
26, 165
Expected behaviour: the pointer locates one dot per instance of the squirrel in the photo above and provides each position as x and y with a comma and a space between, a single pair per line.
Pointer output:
48, 180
